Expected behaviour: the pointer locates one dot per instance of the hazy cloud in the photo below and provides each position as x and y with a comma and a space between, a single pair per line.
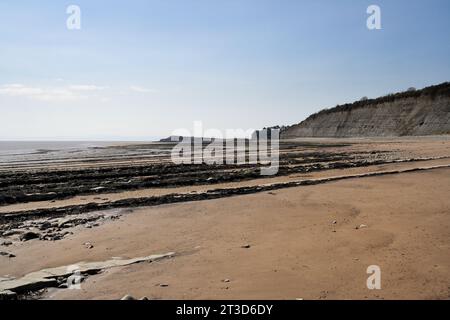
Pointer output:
141, 89
84, 87
65, 93
19, 90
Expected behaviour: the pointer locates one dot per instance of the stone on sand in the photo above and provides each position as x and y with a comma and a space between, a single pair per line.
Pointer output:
29, 236
7, 254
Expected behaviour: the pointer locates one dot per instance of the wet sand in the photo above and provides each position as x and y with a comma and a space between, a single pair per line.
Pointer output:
295, 249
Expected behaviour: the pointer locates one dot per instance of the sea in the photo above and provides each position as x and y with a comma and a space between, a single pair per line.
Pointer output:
48, 151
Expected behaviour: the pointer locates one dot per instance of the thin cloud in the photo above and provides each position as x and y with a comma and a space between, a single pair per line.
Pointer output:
84, 87
16, 90
49, 94
141, 89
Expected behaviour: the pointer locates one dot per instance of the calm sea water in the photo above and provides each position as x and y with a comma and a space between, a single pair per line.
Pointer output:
28, 151
26, 147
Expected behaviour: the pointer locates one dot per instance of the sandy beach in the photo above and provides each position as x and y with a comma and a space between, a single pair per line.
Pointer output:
384, 204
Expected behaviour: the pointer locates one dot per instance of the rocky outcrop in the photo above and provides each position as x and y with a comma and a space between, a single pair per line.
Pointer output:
10, 221
410, 113
66, 275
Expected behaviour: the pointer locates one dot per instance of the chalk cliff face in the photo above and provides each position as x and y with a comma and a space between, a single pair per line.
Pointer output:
419, 112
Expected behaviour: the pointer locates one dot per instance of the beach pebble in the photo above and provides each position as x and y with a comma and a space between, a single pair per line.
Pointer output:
226, 280
6, 243
7, 254
334, 222
88, 245
97, 189
45, 225
246, 246
361, 226
163, 285
29, 236
127, 297
12, 232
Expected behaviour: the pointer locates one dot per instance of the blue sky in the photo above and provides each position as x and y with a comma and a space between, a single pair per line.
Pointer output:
140, 69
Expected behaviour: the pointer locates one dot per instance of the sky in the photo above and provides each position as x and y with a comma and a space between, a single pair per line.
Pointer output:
141, 69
